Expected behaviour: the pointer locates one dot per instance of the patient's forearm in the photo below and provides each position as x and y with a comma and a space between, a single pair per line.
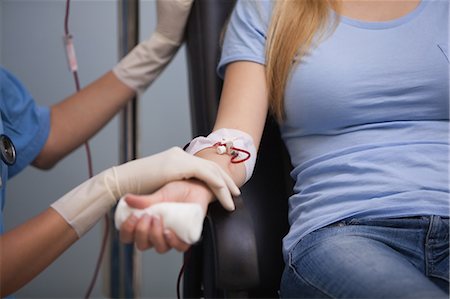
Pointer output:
243, 106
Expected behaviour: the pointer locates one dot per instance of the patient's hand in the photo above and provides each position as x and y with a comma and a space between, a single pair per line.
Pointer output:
147, 231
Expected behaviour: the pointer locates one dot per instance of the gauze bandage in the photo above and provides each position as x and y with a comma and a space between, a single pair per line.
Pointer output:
143, 64
184, 219
224, 140
86, 204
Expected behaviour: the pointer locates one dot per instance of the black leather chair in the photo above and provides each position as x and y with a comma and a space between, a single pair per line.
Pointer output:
240, 253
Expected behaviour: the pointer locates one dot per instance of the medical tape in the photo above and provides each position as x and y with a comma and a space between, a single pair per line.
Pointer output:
70, 52
238, 144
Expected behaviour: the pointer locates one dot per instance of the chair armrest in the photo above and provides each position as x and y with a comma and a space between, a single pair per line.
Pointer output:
233, 246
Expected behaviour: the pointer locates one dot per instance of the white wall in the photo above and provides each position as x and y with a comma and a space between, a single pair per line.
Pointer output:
31, 47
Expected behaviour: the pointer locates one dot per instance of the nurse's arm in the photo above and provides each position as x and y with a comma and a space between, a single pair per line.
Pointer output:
81, 115
28, 249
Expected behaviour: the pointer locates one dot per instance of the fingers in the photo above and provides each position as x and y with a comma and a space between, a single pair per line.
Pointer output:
234, 189
156, 235
215, 176
223, 194
220, 183
141, 234
224, 197
127, 230
148, 232
137, 201
143, 201
175, 242
136, 230
163, 239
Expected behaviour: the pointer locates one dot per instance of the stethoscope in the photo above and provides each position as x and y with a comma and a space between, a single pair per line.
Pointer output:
7, 150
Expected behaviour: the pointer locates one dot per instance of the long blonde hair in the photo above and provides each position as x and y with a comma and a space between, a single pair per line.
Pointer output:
295, 26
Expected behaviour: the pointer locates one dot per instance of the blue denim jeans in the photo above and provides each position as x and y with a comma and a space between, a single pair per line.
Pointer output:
377, 258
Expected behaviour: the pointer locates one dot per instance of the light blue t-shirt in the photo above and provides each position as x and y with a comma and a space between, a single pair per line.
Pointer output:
367, 124
25, 123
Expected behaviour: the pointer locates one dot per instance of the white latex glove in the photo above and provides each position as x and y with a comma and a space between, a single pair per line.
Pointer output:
184, 219
86, 204
144, 63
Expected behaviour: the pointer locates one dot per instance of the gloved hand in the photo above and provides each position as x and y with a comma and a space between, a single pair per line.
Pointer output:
144, 63
84, 205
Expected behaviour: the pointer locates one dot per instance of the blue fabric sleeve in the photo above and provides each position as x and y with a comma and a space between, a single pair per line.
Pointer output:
26, 123
245, 36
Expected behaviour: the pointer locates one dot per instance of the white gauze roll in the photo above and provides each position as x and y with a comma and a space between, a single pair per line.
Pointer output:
184, 219
240, 140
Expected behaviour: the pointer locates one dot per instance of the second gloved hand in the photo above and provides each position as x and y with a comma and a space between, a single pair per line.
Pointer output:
145, 62
84, 205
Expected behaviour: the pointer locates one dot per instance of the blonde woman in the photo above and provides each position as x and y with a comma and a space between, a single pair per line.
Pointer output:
361, 92
41, 136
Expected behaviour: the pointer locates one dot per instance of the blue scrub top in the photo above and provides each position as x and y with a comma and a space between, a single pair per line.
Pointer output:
25, 123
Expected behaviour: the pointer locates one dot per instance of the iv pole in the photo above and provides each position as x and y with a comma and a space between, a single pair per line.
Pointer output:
122, 273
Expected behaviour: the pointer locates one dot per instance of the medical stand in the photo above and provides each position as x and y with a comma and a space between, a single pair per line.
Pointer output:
122, 272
